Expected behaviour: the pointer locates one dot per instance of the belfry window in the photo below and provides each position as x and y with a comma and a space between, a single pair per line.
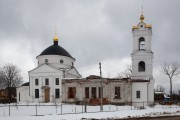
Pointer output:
142, 43
141, 66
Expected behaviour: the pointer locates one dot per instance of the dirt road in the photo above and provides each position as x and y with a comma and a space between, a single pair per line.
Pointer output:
155, 118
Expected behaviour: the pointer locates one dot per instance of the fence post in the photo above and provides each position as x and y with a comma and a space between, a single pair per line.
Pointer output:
85, 108
56, 109
153, 104
61, 108
9, 110
36, 109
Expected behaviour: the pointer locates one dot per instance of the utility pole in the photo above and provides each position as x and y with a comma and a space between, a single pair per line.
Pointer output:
101, 92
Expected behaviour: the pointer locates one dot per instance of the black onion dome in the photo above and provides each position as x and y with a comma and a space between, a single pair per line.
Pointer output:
55, 50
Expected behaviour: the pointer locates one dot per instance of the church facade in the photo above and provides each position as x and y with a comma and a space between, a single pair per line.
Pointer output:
45, 81
56, 78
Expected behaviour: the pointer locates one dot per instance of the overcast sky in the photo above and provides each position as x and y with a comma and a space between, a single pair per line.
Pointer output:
91, 31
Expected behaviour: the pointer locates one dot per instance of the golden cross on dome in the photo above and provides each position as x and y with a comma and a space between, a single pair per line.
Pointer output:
55, 36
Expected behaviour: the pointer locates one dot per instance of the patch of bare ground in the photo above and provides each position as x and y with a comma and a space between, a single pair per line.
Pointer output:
153, 118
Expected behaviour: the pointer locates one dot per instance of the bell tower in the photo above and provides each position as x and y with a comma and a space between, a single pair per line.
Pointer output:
142, 63
142, 55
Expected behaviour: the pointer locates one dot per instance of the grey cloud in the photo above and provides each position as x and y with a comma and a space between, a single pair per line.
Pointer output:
91, 31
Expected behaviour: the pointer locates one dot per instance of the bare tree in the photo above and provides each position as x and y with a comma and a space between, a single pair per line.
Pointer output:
127, 73
171, 70
10, 78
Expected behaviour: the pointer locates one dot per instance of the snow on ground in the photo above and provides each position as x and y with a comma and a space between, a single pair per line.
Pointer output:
74, 112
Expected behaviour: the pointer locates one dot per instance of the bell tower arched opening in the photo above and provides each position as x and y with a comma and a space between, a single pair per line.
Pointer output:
142, 44
141, 66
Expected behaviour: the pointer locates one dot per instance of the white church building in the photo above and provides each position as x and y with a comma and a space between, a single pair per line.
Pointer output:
56, 78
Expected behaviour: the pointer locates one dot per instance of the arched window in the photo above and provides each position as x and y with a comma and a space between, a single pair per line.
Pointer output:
142, 43
141, 66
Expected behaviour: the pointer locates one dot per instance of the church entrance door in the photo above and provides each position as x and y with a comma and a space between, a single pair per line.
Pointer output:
47, 95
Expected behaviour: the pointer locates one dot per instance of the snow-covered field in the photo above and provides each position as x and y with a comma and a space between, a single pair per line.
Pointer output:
77, 112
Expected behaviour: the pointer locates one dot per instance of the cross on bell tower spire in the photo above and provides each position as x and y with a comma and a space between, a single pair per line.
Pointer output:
142, 16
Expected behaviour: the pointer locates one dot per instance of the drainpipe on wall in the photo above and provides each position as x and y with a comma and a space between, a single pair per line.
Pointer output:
64, 74
147, 90
131, 92
125, 96
29, 86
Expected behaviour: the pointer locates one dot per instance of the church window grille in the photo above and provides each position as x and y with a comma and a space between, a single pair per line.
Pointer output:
71, 92
57, 81
117, 93
100, 92
36, 82
93, 92
61, 61
36, 93
141, 43
138, 94
57, 93
86, 92
141, 66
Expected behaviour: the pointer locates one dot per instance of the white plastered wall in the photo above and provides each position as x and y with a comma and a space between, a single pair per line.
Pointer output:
23, 91
142, 87
54, 60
